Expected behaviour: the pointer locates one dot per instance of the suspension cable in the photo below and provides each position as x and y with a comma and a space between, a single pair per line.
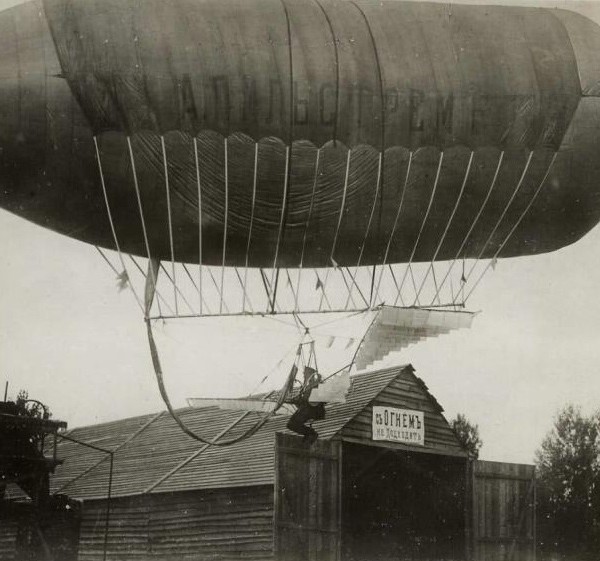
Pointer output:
177, 290
199, 186
414, 250
226, 216
254, 183
515, 226
442, 239
395, 225
305, 236
189, 275
108, 262
151, 270
364, 242
170, 221
112, 224
499, 221
473, 224
337, 228
362, 340
284, 211
160, 298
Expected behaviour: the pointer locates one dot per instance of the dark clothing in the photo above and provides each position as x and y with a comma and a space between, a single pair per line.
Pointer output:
306, 412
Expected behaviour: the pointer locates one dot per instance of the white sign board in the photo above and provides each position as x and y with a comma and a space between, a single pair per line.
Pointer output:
399, 425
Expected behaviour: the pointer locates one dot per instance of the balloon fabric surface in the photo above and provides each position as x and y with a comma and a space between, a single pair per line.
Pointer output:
279, 133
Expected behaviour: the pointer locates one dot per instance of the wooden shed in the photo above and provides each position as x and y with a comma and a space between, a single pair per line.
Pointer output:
386, 480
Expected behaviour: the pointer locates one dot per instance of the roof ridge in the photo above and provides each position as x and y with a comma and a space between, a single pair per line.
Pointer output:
149, 416
399, 370
382, 370
429, 395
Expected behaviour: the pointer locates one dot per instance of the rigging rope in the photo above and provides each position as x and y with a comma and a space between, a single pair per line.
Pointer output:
170, 221
282, 224
225, 219
110, 264
254, 182
360, 344
397, 218
497, 225
348, 287
515, 226
150, 290
199, 221
112, 224
365, 237
414, 250
285, 390
176, 289
289, 148
158, 294
243, 287
189, 275
441, 242
254, 390
337, 229
305, 236
472, 227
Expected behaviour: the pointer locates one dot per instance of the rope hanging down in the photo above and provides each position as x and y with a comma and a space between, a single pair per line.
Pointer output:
153, 268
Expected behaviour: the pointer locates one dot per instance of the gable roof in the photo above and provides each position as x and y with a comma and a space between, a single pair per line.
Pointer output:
153, 455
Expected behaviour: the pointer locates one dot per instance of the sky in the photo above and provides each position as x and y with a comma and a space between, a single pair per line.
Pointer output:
70, 338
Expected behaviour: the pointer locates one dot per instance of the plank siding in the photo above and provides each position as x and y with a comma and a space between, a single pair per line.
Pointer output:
407, 391
224, 524
308, 500
503, 521
21, 524
8, 538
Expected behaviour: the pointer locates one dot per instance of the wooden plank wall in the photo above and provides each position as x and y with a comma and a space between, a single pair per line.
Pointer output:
19, 527
503, 512
221, 524
308, 502
407, 392
128, 530
8, 537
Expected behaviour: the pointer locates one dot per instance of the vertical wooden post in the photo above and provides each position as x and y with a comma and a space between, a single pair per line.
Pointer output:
276, 506
467, 510
340, 513
534, 514
473, 502
108, 505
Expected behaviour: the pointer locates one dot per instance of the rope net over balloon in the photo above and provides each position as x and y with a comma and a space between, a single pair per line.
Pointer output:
198, 290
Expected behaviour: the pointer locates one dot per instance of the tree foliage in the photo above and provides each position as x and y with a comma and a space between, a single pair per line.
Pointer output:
467, 434
30, 407
568, 464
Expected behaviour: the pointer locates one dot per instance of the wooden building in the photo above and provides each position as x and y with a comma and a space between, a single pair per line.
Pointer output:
386, 480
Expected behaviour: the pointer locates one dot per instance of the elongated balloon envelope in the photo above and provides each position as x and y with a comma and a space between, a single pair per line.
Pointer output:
301, 133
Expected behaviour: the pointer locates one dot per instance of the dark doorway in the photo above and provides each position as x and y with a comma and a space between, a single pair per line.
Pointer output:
402, 506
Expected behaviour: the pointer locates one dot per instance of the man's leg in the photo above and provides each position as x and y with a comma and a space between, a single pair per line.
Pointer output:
302, 415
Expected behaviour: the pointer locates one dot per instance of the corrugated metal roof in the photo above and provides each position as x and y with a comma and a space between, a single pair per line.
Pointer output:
148, 450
